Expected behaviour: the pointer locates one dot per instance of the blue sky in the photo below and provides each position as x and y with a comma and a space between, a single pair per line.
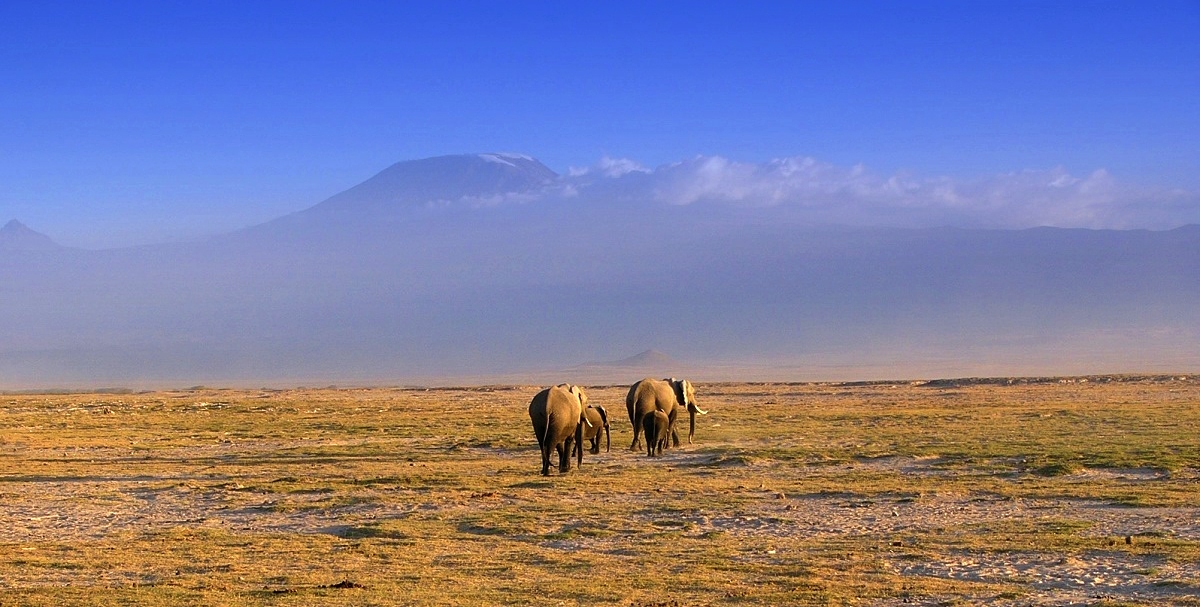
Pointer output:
134, 122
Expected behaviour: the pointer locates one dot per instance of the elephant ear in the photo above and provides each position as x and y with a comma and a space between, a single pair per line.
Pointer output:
679, 386
579, 394
603, 413
690, 393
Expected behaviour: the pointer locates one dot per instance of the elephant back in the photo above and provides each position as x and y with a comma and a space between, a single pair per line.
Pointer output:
537, 405
650, 394
563, 411
561, 399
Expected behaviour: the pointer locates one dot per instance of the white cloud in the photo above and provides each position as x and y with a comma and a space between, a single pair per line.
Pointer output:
818, 192
609, 167
833, 194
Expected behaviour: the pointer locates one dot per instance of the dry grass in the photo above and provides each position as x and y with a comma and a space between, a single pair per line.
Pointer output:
1050, 492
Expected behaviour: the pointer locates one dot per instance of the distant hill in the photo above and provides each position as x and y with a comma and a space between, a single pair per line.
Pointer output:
648, 363
648, 359
16, 236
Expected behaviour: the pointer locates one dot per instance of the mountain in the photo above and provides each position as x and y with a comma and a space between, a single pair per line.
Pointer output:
648, 363
418, 276
438, 181
16, 236
648, 359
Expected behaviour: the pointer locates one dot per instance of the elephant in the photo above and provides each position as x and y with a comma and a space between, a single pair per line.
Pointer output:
667, 395
558, 423
656, 426
597, 417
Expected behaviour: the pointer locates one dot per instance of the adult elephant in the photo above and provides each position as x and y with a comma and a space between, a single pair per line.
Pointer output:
558, 421
667, 395
597, 418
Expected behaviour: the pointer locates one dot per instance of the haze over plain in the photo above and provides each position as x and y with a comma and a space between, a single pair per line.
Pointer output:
793, 191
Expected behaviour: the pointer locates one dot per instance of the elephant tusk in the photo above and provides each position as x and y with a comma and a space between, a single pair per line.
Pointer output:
700, 411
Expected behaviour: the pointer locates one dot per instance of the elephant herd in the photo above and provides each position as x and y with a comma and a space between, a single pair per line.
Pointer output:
563, 419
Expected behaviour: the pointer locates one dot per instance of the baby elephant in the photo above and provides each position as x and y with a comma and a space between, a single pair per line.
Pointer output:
597, 418
657, 428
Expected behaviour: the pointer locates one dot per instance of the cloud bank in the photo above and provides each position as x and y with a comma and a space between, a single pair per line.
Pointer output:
822, 192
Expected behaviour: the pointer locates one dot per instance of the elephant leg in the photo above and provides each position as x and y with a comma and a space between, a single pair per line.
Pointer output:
564, 456
673, 433
637, 428
546, 448
579, 445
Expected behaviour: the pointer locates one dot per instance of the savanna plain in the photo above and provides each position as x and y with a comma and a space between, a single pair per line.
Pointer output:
1050, 491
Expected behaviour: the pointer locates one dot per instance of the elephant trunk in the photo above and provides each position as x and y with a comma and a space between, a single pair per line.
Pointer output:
693, 409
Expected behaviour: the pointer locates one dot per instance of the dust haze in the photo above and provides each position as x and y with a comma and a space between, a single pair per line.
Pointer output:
492, 267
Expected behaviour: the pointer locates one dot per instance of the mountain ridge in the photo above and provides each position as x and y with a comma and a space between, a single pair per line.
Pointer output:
484, 186
519, 289
439, 180
16, 236
646, 359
